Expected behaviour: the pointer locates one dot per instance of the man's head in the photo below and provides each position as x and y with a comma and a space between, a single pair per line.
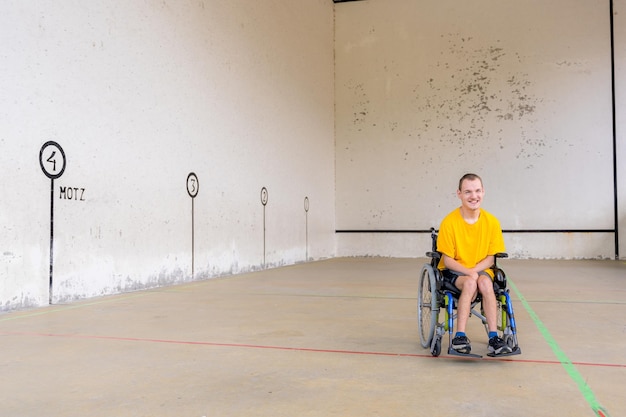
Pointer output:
470, 191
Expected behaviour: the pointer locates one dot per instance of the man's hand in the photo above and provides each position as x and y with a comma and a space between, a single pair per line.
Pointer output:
473, 275
454, 265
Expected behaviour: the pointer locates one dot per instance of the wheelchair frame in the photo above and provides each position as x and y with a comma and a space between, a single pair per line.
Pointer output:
434, 294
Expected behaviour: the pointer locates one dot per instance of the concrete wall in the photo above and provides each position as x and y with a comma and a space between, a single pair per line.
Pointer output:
519, 93
620, 119
138, 95
258, 95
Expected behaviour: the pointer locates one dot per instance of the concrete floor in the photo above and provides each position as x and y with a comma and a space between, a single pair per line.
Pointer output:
330, 338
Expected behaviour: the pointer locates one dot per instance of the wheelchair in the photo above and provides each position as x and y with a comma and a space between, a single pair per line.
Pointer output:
436, 294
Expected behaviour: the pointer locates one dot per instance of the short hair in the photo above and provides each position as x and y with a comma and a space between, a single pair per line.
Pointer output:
469, 177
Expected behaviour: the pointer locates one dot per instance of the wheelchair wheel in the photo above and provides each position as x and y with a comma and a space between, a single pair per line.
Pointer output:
510, 340
435, 350
427, 305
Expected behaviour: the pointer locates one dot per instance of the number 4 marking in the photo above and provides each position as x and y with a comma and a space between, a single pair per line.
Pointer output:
53, 161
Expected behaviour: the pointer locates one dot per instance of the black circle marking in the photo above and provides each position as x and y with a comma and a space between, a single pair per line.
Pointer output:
49, 166
193, 185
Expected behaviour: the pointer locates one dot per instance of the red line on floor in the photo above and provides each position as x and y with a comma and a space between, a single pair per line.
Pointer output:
303, 349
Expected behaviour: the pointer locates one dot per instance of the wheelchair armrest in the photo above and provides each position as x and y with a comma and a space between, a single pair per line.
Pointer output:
499, 279
501, 255
436, 255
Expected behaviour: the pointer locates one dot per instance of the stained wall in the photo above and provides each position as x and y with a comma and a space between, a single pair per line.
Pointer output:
139, 95
363, 123
520, 93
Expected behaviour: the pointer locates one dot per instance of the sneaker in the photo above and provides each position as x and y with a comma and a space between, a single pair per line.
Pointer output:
497, 346
461, 344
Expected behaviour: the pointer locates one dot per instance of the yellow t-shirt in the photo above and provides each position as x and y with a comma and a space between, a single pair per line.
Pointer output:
467, 243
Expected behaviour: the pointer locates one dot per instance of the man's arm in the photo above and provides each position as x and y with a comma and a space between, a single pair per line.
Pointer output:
454, 265
485, 263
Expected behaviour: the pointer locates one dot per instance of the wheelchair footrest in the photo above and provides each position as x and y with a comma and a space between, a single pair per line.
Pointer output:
516, 351
463, 355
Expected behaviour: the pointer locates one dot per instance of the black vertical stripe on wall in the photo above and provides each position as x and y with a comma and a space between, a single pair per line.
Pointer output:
615, 202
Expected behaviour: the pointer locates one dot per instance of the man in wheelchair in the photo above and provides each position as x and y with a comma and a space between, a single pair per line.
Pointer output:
468, 239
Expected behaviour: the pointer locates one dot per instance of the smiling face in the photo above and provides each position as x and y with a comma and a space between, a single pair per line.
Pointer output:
471, 194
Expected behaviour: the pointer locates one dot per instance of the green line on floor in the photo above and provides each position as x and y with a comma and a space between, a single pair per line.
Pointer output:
562, 357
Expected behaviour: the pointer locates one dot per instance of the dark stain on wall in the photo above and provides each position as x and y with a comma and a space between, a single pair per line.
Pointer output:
475, 95
360, 105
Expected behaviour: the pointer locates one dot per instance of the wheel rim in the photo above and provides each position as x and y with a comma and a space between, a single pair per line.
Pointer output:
425, 308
